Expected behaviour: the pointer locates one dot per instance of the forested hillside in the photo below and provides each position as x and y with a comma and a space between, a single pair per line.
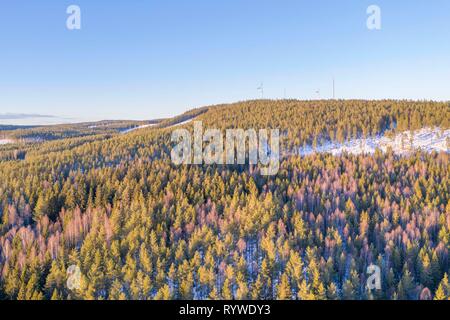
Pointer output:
140, 227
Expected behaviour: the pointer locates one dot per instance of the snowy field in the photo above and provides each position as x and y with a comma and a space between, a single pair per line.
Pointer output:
138, 128
154, 124
426, 139
5, 141
180, 123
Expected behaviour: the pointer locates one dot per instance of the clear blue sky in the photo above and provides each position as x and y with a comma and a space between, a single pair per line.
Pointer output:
148, 59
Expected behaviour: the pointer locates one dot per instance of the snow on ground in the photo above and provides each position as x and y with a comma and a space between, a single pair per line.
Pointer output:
180, 123
154, 124
5, 141
426, 139
138, 128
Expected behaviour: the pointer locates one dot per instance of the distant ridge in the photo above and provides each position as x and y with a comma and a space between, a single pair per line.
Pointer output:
16, 116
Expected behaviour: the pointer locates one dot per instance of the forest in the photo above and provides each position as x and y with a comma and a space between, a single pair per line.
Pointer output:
140, 227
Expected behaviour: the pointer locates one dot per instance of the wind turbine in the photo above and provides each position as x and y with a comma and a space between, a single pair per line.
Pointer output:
334, 89
261, 88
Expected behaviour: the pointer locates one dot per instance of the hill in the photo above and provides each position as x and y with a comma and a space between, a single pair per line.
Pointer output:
110, 203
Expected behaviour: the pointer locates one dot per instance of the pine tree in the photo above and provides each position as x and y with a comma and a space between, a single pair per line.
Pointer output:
332, 293
226, 290
440, 293
283, 289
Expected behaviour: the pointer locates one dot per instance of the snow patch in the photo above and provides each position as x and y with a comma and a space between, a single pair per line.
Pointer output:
426, 139
5, 141
180, 123
138, 128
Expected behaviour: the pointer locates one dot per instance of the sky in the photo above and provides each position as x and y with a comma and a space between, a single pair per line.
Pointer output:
147, 59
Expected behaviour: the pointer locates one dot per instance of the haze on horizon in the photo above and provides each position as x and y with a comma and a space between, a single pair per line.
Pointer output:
147, 60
